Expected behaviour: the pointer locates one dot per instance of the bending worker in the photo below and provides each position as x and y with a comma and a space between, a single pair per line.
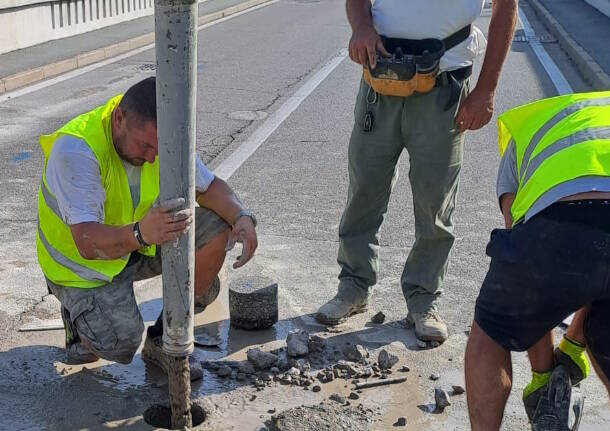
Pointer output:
98, 228
555, 259
415, 94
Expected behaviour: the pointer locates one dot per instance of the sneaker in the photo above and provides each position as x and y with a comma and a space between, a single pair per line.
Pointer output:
553, 410
428, 326
576, 373
153, 353
76, 352
208, 297
339, 309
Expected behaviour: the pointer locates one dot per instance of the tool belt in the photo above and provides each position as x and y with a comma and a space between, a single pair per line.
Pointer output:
413, 66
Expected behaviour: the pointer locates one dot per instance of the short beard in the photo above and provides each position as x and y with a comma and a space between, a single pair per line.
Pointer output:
119, 146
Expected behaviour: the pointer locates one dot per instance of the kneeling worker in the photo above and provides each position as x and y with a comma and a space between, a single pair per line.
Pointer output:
555, 259
98, 228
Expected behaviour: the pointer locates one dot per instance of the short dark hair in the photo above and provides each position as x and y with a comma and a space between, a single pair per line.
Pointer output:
141, 100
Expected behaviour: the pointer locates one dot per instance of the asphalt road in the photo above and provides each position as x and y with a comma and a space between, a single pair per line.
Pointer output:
296, 183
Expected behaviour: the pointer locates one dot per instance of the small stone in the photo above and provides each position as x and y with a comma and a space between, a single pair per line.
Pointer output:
338, 398
386, 359
246, 368
434, 343
457, 389
297, 343
293, 372
266, 377
316, 388
253, 397
286, 379
401, 422
240, 376
404, 369
434, 377
261, 360
353, 396
224, 371
378, 318
422, 344
355, 353
271, 411
441, 398
307, 382
275, 370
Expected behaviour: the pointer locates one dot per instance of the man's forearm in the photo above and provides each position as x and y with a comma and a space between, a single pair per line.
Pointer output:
501, 30
358, 13
221, 199
506, 203
100, 241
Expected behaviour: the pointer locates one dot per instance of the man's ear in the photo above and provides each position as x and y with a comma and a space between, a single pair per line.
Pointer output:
119, 117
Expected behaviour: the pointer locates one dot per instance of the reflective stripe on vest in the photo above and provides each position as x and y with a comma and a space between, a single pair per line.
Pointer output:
58, 255
556, 140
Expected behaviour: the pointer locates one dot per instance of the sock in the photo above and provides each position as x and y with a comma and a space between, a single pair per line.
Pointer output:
576, 352
538, 380
156, 330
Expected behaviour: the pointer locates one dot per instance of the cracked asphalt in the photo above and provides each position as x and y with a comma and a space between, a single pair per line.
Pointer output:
296, 183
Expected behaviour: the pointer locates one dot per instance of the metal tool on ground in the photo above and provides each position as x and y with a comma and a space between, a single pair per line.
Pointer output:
253, 303
176, 52
383, 382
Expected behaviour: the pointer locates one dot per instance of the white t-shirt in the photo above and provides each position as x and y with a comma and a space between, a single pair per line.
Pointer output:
73, 176
438, 19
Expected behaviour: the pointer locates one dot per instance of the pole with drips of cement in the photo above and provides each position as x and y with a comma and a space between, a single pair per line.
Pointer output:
176, 51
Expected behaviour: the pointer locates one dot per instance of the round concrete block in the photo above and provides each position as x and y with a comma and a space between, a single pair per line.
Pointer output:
253, 303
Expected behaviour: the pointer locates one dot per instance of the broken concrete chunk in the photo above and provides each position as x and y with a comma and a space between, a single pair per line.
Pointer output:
353, 396
297, 343
404, 369
253, 303
260, 359
422, 344
458, 390
293, 372
434, 376
441, 398
378, 318
316, 388
400, 422
386, 360
338, 398
355, 353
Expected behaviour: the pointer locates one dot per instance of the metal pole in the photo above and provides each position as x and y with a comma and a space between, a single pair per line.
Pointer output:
176, 51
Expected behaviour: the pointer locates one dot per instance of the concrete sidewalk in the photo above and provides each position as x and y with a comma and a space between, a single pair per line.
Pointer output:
583, 33
29, 65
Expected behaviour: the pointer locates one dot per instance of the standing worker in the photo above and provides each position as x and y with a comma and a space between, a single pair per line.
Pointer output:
417, 59
551, 263
99, 229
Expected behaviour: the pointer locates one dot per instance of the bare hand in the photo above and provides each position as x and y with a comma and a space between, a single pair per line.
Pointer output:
475, 111
164, 223
243, 231
364, 45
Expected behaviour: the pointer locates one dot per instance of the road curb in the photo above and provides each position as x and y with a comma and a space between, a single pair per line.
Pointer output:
590, 69
31, 76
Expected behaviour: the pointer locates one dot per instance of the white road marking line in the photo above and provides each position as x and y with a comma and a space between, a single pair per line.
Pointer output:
73, 74
260, 135
559, 81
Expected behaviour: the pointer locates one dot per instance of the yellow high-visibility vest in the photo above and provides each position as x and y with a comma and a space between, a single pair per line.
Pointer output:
556, 140
57, 252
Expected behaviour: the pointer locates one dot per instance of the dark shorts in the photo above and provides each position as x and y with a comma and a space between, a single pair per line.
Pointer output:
107, 318
544, 270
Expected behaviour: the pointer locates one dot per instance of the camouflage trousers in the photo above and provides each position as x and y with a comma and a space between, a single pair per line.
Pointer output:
106, 319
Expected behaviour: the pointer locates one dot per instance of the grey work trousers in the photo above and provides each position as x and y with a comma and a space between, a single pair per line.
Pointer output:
107, 318
421, 125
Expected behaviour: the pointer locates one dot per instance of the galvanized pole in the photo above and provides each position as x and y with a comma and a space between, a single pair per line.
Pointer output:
176, 51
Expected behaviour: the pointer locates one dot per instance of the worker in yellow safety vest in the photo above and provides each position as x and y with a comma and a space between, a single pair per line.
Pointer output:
99, 223
551, 261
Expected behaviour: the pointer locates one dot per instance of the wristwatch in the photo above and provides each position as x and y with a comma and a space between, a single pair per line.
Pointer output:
246, 213
138, 234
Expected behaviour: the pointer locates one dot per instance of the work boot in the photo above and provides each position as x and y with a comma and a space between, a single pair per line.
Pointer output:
340, 308
76, 352
428, 326
208, 297
557, 409
153, 353
571, 355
